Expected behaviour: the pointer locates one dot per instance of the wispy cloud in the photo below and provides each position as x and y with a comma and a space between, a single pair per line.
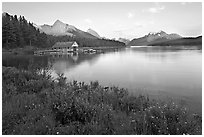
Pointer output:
138, 25
155, 9
151, 22
130, 15
88, 21
112, 23
184, 3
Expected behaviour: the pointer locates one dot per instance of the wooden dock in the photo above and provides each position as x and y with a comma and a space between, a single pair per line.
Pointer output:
42, 52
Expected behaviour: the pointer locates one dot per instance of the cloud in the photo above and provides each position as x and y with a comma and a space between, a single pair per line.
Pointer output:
88, 21
151, 22
130, 15
139, 25
184, 3
112, 23
156, 9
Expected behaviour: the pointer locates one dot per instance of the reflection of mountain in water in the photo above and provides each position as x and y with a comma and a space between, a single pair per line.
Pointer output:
162, 49
162, 53
63, 62
58, 62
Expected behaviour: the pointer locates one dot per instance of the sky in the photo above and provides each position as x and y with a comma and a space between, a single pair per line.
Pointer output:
115, 19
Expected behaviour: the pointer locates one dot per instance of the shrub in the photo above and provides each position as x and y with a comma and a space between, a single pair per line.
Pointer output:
32, 103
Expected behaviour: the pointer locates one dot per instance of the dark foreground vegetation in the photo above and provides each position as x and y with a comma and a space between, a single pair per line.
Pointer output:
34, 103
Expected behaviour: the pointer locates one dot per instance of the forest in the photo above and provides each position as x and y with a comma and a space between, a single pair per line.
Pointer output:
17, 32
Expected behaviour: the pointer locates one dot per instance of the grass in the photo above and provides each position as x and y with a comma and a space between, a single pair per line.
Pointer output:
35, 104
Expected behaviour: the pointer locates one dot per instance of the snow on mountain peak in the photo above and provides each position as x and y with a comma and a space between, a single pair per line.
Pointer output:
90, 29
58, 28
58, 22
37, 26
62, 27
124, 40
94, 33
157, 33
70, 28
161, 34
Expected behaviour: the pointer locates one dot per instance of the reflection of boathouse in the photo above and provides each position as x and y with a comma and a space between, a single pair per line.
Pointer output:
73, 56
65, 46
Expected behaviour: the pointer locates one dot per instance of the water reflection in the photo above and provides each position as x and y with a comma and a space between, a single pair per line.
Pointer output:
158, 72
25, 61
65, 62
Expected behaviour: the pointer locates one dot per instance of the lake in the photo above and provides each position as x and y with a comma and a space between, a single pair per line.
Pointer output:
161, 73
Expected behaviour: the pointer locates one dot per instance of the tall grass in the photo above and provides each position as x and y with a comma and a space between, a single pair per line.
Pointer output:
35, 104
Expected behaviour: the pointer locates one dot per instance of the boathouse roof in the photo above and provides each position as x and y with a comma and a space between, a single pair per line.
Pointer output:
65, 44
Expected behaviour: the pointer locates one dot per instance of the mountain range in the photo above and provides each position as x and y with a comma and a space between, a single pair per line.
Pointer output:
154, 37
61, 29
124, 40
190, 41
93, 32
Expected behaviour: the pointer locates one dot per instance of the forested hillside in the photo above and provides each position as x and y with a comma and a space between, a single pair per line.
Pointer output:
182, 41
17, 32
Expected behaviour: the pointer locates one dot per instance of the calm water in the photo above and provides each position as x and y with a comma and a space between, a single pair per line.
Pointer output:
160, 73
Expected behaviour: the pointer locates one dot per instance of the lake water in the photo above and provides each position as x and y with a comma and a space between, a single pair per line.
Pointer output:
162, 73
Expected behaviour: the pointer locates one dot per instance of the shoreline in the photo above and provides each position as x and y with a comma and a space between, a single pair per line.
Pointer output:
77, 104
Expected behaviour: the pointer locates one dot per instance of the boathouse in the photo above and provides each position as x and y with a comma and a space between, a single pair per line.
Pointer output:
66, 46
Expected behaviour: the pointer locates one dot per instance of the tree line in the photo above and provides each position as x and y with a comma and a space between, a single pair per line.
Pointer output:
18, 33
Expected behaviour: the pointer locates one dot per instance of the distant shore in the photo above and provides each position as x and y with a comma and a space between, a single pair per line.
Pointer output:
32, 49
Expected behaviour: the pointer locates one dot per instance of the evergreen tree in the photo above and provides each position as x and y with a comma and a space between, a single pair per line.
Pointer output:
18, 32
8, 35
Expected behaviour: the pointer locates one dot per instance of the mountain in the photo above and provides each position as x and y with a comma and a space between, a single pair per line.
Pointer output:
61, 29
153, 37
126, 41
37, 27
94, 33
17, 32
191, 41
161, 35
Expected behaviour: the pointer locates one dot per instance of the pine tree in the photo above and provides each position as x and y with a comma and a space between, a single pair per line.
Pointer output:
8, 35
18, 33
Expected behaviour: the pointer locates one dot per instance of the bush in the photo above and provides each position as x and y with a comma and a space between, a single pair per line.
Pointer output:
35, 104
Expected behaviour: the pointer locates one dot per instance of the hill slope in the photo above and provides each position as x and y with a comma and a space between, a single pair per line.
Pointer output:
126, 41
182, 41
61, 29
93, 32
19, 33
153, 38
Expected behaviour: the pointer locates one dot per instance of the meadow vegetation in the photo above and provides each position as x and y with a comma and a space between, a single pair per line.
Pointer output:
36, 104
